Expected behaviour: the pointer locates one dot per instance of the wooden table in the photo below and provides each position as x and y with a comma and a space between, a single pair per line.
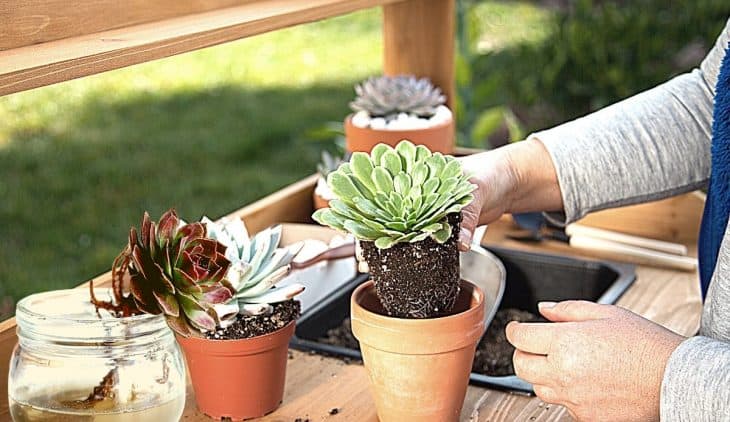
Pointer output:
316, 385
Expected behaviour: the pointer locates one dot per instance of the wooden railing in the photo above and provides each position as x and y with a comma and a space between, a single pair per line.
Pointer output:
43, 42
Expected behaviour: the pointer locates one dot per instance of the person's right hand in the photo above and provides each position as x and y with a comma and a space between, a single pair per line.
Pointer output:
518, 177
495, 179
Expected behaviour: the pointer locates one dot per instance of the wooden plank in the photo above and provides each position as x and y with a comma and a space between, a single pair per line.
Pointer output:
419, 40
31, 22
55, 61
675, 219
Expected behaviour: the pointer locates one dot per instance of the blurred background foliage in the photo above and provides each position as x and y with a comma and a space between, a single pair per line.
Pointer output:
209, 131
570, 58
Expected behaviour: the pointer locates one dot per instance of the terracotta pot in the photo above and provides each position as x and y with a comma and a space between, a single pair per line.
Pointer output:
418, 368
319, 202
239, 379
439, 138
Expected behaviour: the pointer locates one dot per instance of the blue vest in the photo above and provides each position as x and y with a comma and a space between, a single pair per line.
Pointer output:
717, 207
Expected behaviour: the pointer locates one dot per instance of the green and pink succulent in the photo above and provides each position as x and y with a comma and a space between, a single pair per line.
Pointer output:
170, 268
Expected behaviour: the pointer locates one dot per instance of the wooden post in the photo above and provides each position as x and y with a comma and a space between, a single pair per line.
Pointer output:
419, 40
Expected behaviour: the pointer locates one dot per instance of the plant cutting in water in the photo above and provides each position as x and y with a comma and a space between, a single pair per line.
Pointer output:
403, 204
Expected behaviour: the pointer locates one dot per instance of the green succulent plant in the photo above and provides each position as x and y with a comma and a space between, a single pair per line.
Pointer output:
173, 269
387, 95
396, 195
328, 163
257, 265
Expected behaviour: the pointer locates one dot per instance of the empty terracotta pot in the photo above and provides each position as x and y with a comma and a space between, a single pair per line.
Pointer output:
439, 138
419, 368
238, 379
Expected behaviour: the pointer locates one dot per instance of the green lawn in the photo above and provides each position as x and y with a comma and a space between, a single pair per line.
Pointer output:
205, 132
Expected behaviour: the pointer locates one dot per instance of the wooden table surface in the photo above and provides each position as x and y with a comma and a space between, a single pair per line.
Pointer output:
315, 385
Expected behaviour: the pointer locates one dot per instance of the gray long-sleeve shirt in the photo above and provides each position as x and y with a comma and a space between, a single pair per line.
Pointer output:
650, 146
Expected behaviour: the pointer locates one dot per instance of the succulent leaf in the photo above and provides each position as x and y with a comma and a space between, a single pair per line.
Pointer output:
261, 263
411, 193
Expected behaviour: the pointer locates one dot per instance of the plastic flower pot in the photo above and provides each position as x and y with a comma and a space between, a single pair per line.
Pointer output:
439, 138
418, 368
238, 379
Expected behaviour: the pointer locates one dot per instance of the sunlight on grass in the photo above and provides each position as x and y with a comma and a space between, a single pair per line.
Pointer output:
506, 24
341, 50
205, 132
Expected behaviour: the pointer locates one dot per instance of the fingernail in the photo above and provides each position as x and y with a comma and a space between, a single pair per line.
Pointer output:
465, 239
546, 305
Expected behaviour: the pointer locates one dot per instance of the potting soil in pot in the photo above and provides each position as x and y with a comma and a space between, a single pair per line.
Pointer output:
416, 280
258, 325
493, 355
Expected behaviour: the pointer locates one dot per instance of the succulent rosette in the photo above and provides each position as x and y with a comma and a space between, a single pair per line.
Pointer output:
257, 265
388, 95
171, 268
396, 195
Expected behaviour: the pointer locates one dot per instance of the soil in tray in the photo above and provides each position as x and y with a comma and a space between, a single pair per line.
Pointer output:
252, 326
494, 352
493, 355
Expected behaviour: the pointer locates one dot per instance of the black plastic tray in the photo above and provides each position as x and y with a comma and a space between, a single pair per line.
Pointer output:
531, 278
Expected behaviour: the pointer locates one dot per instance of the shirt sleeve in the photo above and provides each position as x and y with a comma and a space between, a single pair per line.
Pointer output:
650, 146
696, 384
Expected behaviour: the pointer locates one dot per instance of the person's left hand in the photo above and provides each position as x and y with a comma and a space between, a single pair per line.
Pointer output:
602, 362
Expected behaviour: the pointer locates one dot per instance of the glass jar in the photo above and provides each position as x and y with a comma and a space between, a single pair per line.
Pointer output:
72, 364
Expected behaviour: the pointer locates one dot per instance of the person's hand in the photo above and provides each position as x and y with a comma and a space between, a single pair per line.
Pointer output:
495, 180
515, 178
602, 362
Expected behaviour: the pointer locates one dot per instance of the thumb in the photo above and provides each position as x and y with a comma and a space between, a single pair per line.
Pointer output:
574, 310
469, 221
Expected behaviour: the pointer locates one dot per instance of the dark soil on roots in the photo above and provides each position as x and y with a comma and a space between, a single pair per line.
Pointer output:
494, 352
416, 280
253, 326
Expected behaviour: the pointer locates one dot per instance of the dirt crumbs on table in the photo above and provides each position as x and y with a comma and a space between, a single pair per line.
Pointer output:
341, 335
334, 411
301, 420
494, 352
252, 326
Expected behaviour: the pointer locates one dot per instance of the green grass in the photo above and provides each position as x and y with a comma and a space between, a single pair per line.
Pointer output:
205, 132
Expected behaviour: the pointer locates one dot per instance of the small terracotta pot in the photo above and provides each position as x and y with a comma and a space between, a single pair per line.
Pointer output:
439, 138
238, 379
319, 202
419, 368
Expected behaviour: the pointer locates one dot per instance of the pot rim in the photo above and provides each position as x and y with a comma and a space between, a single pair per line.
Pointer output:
370, 284
241, 340
450, 122
427, 336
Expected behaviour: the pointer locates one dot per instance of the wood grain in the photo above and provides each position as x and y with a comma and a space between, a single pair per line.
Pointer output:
29, 22
419, 39
50, 62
